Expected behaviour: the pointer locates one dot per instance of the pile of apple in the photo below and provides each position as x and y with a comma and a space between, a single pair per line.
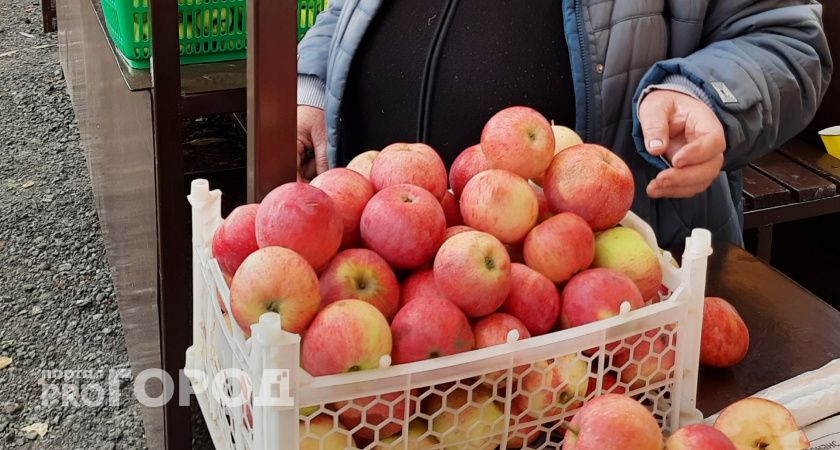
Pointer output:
381, 259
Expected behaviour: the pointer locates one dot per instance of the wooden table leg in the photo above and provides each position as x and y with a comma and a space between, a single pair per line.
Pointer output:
765, 242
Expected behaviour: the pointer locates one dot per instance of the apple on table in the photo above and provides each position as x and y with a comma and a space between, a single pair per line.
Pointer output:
725, 338
757, 423
613, 422
698, 437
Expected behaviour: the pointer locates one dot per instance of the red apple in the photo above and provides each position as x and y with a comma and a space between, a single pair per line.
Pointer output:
350, 192
500, 203
416, 164
756, 423
404, 224
452, 231
725, 338
384, 413
698, 437
608, 385
346, 336
320, 433
469, 163
592, 182
235, 238
613, 422
518, 139
275, 279
545, 212
451, 209
363, 162
648, 361
292, 214
472, 270
533, 299
363, 275
560, 247
417, 285
625, 250
548, 388
564, 138
429, 327
493, 329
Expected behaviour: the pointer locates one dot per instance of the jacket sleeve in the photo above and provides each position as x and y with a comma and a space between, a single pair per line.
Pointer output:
313, 54
765, 65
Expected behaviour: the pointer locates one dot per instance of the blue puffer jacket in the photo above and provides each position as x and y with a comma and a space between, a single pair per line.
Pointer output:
763, 65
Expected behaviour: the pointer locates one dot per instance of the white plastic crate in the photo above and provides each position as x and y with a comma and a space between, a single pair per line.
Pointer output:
482, 399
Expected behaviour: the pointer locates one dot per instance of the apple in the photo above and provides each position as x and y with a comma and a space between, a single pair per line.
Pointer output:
275, 279
648, 361
404, 224
388, 409
418, 438
452, 231
756, 423
350, 192
518, 139
625, 250
466, 165
235, 238
596, 294
493, 329
500, 203
533, 299
698, 437
560, 247
608, 385
472, 270
363, 275
550, 387
363, 162
592, 182
419, 284
467, 420
725, 338
613, 422
451, 209
308, 410
416, 164
544, 213
346, 336
564, 138
430, 327
321, 433
291, 213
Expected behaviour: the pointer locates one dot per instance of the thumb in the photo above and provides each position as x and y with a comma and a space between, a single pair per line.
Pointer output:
655, 113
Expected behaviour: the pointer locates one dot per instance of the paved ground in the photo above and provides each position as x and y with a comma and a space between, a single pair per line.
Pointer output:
57, 304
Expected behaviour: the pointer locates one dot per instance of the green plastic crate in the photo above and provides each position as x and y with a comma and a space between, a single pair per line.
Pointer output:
209, 30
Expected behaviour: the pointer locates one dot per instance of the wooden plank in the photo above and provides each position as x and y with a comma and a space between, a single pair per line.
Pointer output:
814, 158
803, 184
762, 192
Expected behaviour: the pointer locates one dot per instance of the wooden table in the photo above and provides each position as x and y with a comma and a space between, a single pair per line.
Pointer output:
791, 330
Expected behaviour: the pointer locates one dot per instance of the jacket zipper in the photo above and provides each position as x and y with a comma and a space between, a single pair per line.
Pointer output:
584, 65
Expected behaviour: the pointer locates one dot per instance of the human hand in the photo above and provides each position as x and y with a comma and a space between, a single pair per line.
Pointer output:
688, 133
311, 142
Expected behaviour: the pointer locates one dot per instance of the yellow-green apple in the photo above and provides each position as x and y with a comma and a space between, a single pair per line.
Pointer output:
430, 327
564, 138
350, 191
363, 162
404, 224
550, 387
544, 212
592, 182
533, 299
649, 360
346, 336
560, 247
361, 274
725, 338
321, 433
290, 214
756, 423
613, 422
308, 410
467, 420
469, 163
451, 209
235, 238
698, 437
493, 330
418, 438
518, 139
418, 284
500, 203
472, 270
416, 164
452, 231
275, 279
625, 250
385, 412
608, 385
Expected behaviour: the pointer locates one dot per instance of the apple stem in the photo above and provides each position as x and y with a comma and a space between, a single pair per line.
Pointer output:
569, 427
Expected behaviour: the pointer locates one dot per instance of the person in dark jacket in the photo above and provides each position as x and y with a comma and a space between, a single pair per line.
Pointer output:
686, 92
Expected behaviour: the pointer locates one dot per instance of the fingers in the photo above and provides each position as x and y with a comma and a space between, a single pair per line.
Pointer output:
655, 114
701, 147
685, 182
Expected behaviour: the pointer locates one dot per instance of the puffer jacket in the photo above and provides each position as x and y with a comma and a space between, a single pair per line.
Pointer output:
763, 66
